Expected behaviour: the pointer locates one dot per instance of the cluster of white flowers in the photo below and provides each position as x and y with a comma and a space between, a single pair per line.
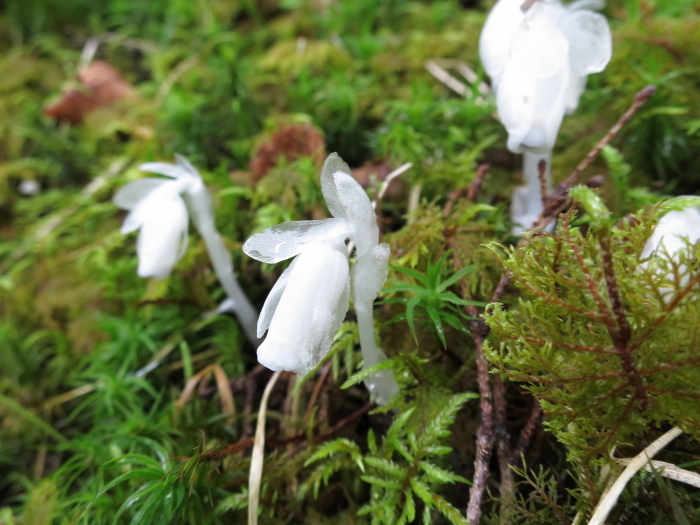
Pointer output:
538, 54
309, 301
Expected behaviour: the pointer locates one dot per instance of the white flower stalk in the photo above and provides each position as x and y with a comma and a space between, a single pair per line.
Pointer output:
309, 301
538, 54
160, 208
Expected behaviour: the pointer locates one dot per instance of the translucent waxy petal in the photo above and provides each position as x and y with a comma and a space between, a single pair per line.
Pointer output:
312, 306
130, 195
151, 203
333, 165
358, 210
273, 299
538, 44
186, 165
162, 168
590, 41
592, 5
516, 99
496, 36
163, 238
369, 274
288, 239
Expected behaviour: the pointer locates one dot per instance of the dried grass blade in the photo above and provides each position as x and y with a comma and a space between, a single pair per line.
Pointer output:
256, 460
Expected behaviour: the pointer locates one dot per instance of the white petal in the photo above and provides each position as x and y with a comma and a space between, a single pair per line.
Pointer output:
515, 99
577, 85
312, 307
539, 44
590, 41
130, 195
162, 168
273, 299
369, 274
333, 165
496, 36
163, 238
182, 162
592, 5
288, 239
358, 210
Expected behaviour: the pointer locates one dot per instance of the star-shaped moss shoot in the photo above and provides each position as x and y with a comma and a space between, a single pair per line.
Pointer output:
310, 299
160, 209
538, 54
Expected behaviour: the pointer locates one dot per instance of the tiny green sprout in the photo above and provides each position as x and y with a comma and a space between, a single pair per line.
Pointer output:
596, 209
432, 295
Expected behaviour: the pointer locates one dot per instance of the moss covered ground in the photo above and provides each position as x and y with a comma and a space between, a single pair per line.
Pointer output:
114, 389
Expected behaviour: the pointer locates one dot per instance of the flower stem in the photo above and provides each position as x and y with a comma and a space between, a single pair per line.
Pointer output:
382, 385
203, 218
535, 186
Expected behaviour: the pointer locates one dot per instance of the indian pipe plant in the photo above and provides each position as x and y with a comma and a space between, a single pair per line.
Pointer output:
434, 343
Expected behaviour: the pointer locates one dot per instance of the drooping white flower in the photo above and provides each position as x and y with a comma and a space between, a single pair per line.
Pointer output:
161, 208
309, 301
308, 310
538, 55
157, 209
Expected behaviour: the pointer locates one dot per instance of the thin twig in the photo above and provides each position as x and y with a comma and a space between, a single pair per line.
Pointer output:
559, 200
526, 433
317, 390
475, 186
448, 80
387, 181
503, 449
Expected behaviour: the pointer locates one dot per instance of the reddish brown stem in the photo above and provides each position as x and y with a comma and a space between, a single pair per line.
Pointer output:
527, 433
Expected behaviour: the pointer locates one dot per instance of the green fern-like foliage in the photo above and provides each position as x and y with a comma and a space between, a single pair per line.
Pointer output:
406, 470
606, 340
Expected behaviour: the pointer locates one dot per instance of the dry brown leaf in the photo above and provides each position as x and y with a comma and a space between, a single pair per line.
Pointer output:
222, 385
104, 85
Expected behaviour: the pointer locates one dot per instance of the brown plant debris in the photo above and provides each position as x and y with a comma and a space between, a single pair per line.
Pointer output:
103, 86
290, 142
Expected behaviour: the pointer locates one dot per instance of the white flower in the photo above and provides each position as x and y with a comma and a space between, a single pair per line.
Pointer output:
157, 208
161, 209
538, 55
309, 301
305, 308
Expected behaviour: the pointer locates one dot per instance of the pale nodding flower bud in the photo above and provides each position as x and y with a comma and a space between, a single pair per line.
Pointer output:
309, 301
